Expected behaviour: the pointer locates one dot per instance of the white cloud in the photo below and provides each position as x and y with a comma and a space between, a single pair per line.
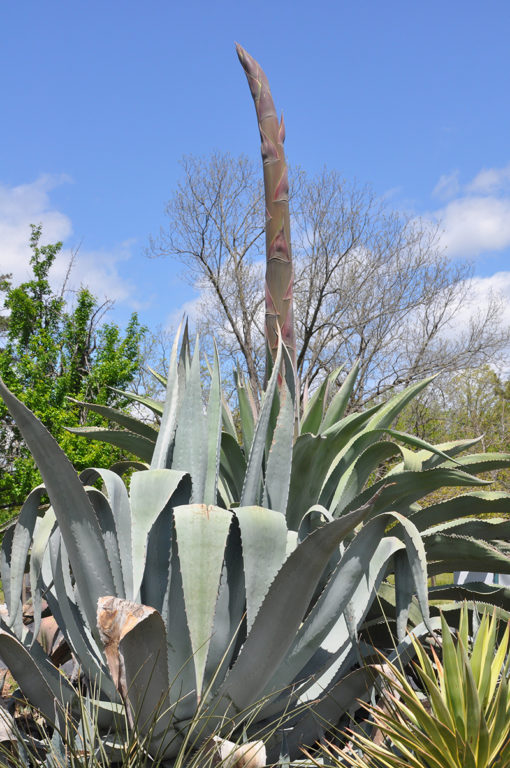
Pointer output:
481, 291
448, 186
474, 225
477, 220
31, 204
490, 180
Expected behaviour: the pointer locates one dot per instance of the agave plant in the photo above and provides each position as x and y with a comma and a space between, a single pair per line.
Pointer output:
459, 717
181, 595
332, 462
200, 605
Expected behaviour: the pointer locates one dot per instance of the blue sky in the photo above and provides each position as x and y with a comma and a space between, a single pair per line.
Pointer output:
102, 98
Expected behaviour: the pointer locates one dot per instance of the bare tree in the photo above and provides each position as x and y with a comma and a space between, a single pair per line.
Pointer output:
216, 228
370, 285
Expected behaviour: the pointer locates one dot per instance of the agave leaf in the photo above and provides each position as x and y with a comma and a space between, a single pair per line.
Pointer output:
253, 476
324, 629
106, 522
120, 418
181, 671
39, 680
403, 593
454, 553
264, 540
452, 448
277, 475
474, 592
227, 420
213, 435
135, 646
164, 444
417, 442
21, 541
396, 404
73, 509
314, 411
312, 459
150, 493
185, 354
483, 462
190, 453
472, 504
201, 534
121, 467
154, 405
282, 611
127, 441
158, 376
119, 504
247, 411
72, 627
156, 574
340, 699
355, 473
229, 626
408, 487
337, 406
418, 564
5, 562
233, 465
42, 532
489, 530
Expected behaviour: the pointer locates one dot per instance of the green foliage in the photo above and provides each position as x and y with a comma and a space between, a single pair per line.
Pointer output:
51, 353
459, 717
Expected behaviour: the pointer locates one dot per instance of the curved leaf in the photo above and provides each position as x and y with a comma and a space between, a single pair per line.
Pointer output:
190, 453
312, 460
164, 443
283, 610
201, 533
120, 418
21, 542
73, 510
336, 408
264, 541
150, 492
39, 680
127, 441
253, 476
119, 504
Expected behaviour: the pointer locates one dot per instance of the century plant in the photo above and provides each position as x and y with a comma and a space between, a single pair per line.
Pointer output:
238, 579
228, 605
333, 461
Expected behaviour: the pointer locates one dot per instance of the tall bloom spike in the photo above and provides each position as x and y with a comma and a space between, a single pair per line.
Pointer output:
279, 268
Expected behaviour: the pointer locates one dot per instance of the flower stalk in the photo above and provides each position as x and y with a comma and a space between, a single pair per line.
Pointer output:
279, 267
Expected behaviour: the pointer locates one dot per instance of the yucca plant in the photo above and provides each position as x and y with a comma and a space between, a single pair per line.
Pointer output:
458, 717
